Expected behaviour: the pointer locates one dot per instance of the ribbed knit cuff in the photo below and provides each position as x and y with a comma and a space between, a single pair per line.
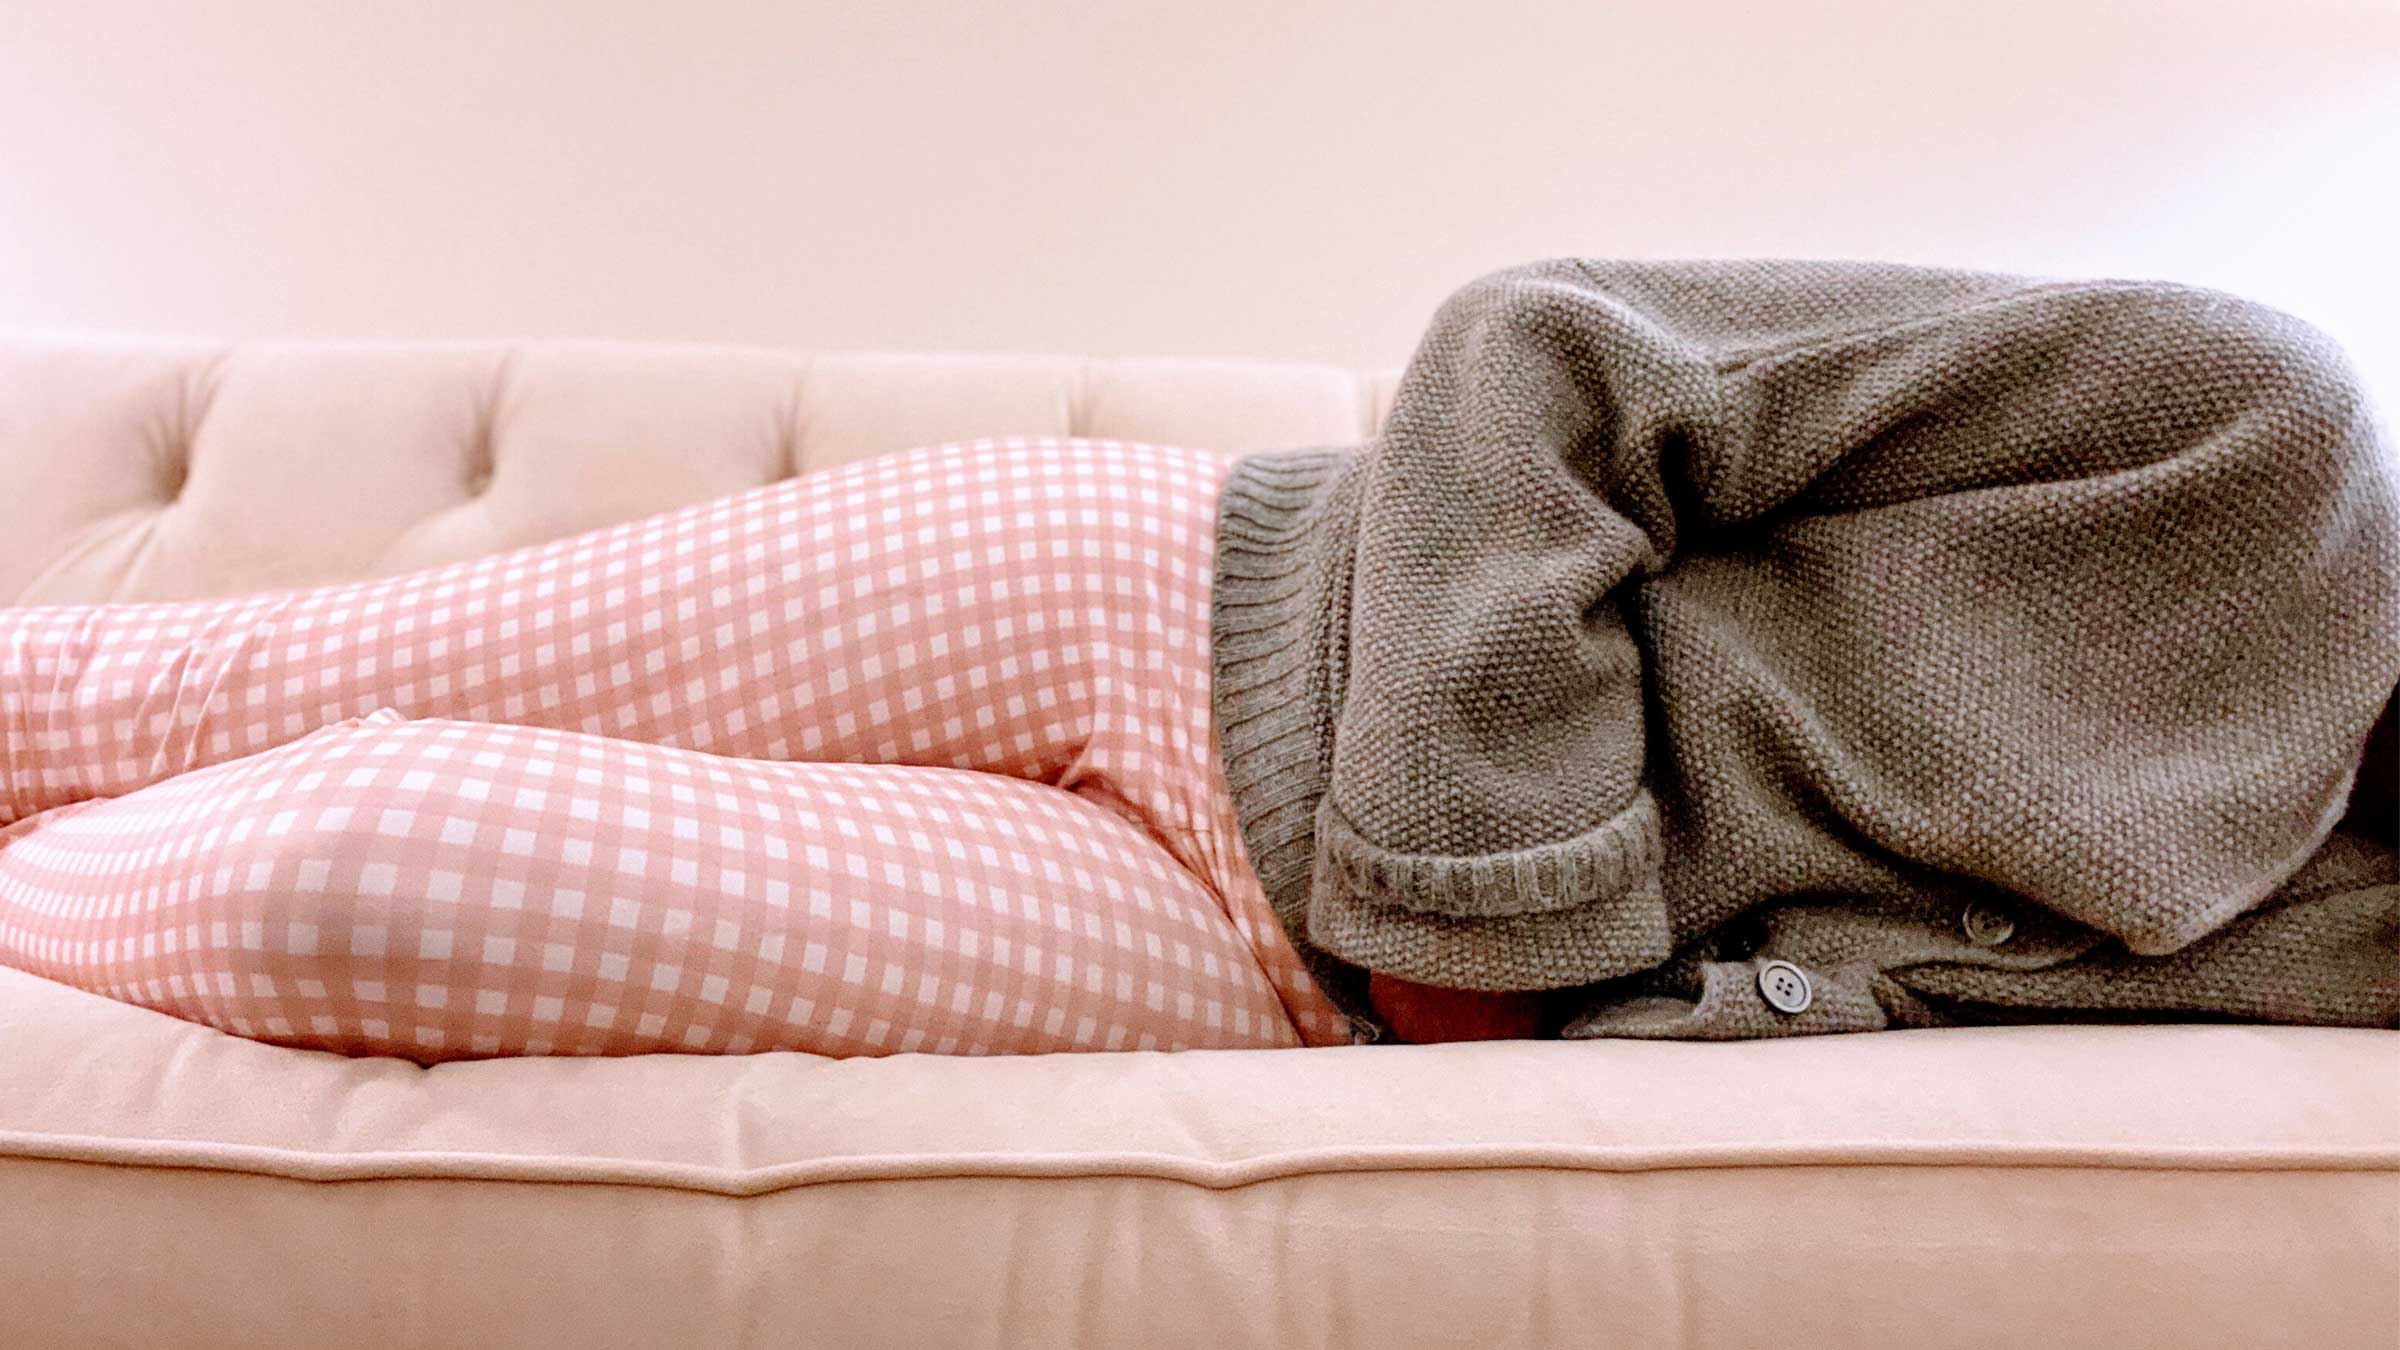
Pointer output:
1610, 860
1570, 912
1270, 618
1279, 589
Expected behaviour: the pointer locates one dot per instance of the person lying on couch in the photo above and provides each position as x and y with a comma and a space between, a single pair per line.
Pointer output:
1703, 649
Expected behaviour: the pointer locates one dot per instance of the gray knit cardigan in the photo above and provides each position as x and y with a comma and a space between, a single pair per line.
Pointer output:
1771, 647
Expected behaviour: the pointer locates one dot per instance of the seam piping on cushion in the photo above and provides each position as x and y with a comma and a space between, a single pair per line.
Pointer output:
290, 1164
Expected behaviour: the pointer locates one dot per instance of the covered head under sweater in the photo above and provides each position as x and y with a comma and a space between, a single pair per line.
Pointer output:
1767, 647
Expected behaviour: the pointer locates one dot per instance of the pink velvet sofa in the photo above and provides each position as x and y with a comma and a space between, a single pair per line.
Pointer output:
165, 1185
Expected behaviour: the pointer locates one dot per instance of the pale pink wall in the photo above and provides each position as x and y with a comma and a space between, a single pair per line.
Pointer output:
1238, 177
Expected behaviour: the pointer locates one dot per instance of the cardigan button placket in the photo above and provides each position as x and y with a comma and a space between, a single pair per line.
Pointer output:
1785, 986
1987, 924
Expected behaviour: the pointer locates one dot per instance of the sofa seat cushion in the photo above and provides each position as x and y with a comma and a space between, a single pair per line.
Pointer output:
2113, 1185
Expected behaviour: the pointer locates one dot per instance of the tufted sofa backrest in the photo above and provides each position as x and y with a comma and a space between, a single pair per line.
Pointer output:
134, 470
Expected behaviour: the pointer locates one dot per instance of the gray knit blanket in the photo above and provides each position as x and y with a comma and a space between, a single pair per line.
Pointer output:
1768, 647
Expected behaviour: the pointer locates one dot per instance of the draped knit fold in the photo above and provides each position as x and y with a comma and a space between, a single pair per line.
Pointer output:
1687, 615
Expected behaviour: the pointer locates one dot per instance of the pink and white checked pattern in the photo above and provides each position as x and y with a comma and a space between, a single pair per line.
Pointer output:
911, 754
